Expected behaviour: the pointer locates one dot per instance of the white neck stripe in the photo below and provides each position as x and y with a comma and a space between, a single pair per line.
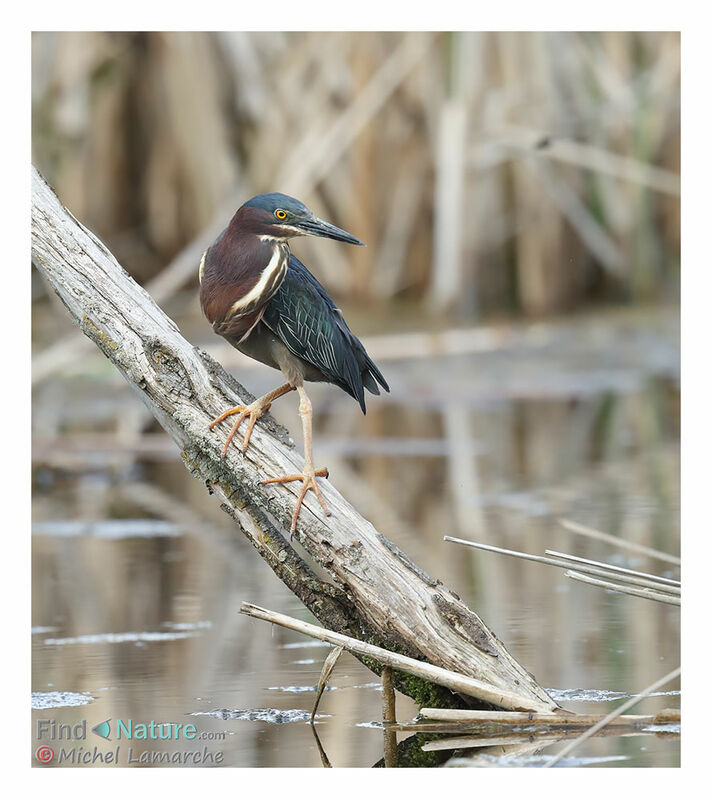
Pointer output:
202, 267
278, 262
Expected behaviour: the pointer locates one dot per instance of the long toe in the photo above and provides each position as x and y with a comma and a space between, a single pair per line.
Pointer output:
308, 480
291, 478
223, 416
251, 412
234, 430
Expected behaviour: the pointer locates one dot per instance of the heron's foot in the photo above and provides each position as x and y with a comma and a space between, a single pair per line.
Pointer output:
252, 412
308, 482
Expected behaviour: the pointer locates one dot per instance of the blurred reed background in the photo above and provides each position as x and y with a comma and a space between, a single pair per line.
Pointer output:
486, 171
519, 195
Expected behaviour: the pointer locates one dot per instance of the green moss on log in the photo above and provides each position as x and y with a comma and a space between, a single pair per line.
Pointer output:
410, 754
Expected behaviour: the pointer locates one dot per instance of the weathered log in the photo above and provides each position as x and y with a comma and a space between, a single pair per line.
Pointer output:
377, 593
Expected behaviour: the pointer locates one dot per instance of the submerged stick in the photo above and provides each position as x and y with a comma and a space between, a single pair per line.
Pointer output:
458, 683
390, 742
613, 715
389, 695
548, 737
509, 717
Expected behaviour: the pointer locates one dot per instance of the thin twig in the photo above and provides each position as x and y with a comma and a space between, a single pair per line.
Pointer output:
459, 683
590, 532
326, 670
665, 580
603, 571
645, 593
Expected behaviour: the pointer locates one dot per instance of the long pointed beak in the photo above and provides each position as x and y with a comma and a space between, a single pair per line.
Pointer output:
318, 227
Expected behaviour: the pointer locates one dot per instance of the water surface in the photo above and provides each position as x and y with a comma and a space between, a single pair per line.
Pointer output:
138, 576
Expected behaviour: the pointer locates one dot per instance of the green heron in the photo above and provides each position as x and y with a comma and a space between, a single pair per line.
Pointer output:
267, 304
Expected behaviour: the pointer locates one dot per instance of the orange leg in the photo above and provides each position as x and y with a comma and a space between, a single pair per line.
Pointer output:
254, 410
310, 474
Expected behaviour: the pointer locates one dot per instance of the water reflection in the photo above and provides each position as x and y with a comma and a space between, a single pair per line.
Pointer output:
138, 576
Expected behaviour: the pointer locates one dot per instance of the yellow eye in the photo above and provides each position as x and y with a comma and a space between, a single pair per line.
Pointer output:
280, 214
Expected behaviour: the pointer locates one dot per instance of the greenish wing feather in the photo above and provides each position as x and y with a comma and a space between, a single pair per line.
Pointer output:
305, 318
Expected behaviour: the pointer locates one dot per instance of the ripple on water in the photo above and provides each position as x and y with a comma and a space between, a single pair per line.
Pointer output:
120, 638
596, 694
269, 714
44, 700
485, 760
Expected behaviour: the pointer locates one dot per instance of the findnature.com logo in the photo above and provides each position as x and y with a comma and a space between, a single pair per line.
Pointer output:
120, 730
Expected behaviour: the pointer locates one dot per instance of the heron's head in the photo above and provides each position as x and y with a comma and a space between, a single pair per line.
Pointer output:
279, 216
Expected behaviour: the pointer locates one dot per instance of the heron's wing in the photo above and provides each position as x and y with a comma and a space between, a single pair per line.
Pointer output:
305, 318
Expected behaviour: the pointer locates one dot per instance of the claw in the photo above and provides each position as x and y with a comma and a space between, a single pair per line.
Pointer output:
308, 482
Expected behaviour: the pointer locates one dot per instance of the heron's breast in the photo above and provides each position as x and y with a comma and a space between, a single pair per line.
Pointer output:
234, 291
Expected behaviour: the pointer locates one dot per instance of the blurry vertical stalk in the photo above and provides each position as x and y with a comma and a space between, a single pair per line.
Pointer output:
363, 166
449, 176
542, 274
405, 137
